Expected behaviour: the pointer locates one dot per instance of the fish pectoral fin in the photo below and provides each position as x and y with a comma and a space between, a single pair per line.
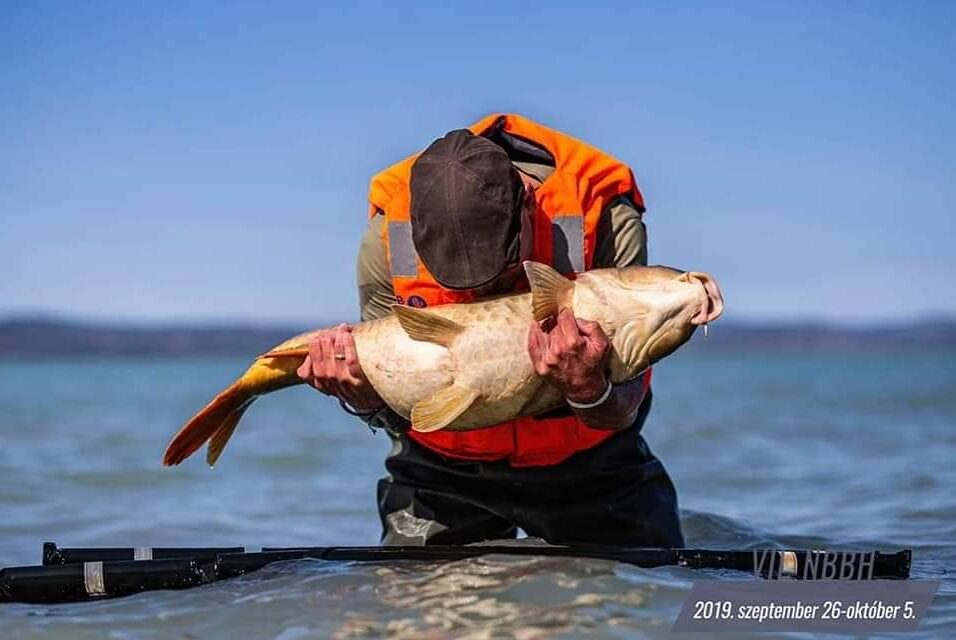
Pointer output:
426, 326
442, 408
550, 291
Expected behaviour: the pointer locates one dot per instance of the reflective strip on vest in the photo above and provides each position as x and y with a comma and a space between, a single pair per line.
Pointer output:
567, 237
567, 241
402, 257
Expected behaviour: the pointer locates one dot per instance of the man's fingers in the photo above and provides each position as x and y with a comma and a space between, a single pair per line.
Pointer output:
533, 342
536, 339
306, 371
315, 352
339, 380
589, 327
568, 338
340, 353
567, 325
332, 367
327, 345
352, 364
594, 334
320, 351
550, 361
538, 345
316, 358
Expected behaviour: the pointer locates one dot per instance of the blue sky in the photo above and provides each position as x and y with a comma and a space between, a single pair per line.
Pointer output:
209, 161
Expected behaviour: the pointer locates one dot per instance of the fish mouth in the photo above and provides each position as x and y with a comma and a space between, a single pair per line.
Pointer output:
712, 305
678, 323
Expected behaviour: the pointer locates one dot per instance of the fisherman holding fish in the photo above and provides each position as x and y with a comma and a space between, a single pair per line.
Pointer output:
512, 402
453, 224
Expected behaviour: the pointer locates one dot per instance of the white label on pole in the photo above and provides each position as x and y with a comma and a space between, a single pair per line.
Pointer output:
93, 578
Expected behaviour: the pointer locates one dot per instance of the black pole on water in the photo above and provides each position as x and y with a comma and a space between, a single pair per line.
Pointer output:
78, 574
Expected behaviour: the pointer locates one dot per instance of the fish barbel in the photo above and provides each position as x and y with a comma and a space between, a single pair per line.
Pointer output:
466, 366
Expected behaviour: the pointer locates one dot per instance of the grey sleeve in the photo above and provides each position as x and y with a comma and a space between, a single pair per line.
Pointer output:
622, 242
376, 295
622, 237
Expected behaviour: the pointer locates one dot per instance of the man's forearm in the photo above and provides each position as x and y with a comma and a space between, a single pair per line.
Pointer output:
620, 409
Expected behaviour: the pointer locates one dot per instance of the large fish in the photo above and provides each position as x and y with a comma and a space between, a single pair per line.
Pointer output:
466, 366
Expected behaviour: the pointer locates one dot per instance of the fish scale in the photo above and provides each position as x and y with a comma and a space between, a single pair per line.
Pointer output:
466, 366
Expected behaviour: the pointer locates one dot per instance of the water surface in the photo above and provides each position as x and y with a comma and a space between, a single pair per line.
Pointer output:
766, 449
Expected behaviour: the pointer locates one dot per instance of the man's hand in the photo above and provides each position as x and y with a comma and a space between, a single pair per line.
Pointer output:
333, 368
571, 354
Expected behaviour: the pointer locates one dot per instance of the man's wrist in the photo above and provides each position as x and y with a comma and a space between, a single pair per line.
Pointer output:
593, 404
589, 392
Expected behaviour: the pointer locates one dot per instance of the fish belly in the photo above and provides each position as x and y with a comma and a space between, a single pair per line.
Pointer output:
403, 371
489, 357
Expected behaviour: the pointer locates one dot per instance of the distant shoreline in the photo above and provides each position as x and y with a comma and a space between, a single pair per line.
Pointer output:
44, 338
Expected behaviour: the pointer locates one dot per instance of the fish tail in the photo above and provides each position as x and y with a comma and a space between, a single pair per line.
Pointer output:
217, 420
219, 439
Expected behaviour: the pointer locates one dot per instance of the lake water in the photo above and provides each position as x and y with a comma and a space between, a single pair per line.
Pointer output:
766, 449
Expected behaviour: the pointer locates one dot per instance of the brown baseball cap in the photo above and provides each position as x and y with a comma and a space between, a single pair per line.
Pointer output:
465, 210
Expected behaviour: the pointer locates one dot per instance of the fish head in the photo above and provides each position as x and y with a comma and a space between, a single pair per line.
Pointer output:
648, 312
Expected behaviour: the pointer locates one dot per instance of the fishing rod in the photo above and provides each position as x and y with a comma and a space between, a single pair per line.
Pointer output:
78, 574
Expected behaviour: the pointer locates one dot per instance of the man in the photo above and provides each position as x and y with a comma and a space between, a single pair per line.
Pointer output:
453, 224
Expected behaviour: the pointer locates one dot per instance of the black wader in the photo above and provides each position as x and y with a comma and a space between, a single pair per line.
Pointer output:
617, 493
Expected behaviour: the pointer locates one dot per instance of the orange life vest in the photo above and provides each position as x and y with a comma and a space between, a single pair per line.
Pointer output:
569, 206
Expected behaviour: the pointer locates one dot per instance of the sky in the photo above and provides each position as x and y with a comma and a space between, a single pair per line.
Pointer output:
200, 161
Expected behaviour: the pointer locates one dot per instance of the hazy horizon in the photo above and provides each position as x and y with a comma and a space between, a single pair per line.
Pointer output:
280, 322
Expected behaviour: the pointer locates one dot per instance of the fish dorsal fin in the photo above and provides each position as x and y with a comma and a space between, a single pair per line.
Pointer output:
440, 410
550, 291
426, 326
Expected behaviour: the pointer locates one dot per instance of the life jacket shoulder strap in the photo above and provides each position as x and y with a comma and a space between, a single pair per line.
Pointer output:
595, 174
388, 189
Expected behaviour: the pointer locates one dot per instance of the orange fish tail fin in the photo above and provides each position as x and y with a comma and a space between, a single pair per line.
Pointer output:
217, 420
219, 439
